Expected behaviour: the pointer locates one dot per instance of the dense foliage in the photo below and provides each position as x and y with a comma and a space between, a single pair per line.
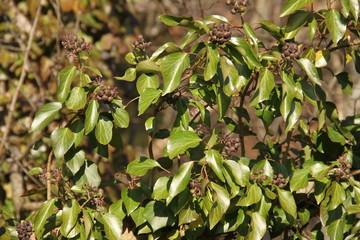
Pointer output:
220, 79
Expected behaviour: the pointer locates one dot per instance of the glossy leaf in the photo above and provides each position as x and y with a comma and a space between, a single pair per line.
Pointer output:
212, 62
66, 77
131, 199
336, 24
295, 22
91, 116
253, 195
112, 225
161, 188
141, 165
310, 70
220, 206
214, 159
74, 160
336, 229
45, 115
172, 68
299, 179
147, 66
94, 70
293, 5
121, 117
129, 76
70, 216
266, 84
148, 97
287, 202
77, 99
258, 226
147, 80
77, 127
180, 180
239, 171
88, 174
181, 141
42, 215
103, 130
62, 139
158, 215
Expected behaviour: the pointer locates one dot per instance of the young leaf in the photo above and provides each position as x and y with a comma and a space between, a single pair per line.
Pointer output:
91, 116
181, 141
172, 67
77, 99
129, 76
66, 76
287, 202
336, 24
293, 5
180, 180
140, 166
62, 139
299, 179
147, 80
103, 130
45, 115
70, 217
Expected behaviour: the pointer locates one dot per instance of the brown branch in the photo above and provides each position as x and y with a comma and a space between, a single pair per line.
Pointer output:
48, 176
9, 117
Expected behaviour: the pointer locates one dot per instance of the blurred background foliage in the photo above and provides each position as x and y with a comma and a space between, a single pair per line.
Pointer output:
111, 26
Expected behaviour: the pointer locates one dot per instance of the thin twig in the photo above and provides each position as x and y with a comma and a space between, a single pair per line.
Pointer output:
9, 117
288, 140
48, 176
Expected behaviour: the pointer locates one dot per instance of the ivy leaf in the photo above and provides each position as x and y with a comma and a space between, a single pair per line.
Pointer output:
70, 217
214, 159
294, 114
112, 226
77, 99
271, 28
287, 202
88, 174
240, 171
148, 97
299, 180
172, 67
45, 115
141, 165
293, 5
42, 215
94, 70
174, 21
310, 70
181, 141
91, 116
336, 229
147, 80
253, 195
295, 22
77, 128
165, 49
131, 199
266, 84
66, 76
212, 61
161, 187
103, 130
158, 215
244, 49
354, 9
336, 24
338, 195
180, 180
258, 226
62, 139
220, 206
74, 160
121, 116
345, 82
129, 76
138, 216
335, 136
147, 66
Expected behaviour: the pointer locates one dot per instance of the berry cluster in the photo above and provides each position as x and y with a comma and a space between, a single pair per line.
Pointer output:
342, 171
105, 93
95, 194
238, 6
258, 176
140, 43
75, 45
290, 51
195, 187
171, 98
220, 33
231, 144
201, 130
55, 175
279, 180
24, 230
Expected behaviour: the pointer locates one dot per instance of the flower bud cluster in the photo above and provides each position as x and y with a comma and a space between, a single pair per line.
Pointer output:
24, 230
278, 180
95, 194
55, 175
75, 45
231, 144
201, 130
195, 187
342, 171
105, 93
140, 43
220, 33
258, 176
290, 51
238, 6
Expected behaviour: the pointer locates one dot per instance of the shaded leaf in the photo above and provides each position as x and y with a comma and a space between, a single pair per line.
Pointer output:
180, 180
88, 174
214, 159
158, 215
213, 59
42, 215
310, 70
147, 80
220, 206
131, 199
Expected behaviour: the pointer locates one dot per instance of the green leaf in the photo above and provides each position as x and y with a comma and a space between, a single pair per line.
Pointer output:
175, 21
180, 180
103, 130
138, 216
337, 192
165, 49
293, 5
223, 102
221, 205
294, 114
42, 215
181, 141
35, 171
129, 76
172, 67
271, 28
66, 76
214, 159
147, 80
212, 61
354, 9
312, 26
258, 226
131, 199
266, 84
239, 171
77, 99
250, 33
84, 79
232, 81
322, 58
147, 66
62, 139
336, 229
345, 82
45, 115
121, 117
287, 202
161, 187
304, 215
295, 22
188, 215
74, 160
310, 70
70, 217
91, 116
94, 70
148, 97
140, 166
77, 128
252, 196
335, 136
88, 174
336, 25
158, 215
112, 226
299, 179
244, 49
